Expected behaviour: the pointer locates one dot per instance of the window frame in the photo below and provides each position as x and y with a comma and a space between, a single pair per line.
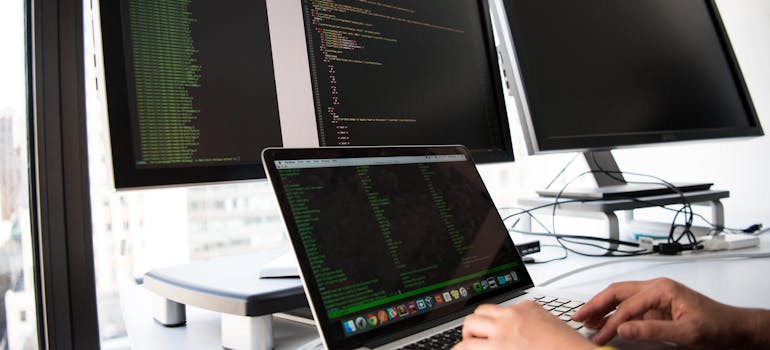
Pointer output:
60, 190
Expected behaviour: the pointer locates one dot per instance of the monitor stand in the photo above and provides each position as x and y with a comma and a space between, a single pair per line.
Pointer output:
612, 185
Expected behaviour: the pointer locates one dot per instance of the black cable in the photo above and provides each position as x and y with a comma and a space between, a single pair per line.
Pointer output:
610, 252
686, 210
532, 217
561, 172
570, 239
561, 192
529, 211
566, 253
686, 204
752, 228
589, 238
756, 228
559, 238
609, 249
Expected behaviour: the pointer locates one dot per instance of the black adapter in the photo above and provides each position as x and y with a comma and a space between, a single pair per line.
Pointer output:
528, 248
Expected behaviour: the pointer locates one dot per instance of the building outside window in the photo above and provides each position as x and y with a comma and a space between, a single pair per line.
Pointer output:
18, 328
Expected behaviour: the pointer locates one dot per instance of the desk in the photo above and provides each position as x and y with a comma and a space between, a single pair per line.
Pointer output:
740, 282
737, 281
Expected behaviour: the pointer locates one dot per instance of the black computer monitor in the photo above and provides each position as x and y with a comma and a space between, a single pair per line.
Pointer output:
195, 89
601, 74
190, 90
396, 73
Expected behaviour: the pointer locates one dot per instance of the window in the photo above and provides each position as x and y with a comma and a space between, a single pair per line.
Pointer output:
18, 328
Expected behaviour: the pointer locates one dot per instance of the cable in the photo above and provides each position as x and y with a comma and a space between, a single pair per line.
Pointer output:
678, 259
609, 252
529, 211
561, 172
687, 208
554, 259
756, 228
753, 228
590, 238
612, 175
673, 244
567, 238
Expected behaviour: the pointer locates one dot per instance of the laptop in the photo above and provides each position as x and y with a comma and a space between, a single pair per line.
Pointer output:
396, 245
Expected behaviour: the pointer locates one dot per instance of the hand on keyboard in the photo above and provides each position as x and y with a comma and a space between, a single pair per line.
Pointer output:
664, 310
522, 326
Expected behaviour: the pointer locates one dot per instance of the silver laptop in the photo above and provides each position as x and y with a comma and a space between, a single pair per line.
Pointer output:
397, 244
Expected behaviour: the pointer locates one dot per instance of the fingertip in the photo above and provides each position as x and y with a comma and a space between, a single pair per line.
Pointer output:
580, 316
628, 331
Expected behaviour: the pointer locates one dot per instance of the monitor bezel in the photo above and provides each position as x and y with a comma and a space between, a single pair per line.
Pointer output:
589, 143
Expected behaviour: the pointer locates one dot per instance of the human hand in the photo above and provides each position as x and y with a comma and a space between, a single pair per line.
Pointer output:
522, 326
664, 310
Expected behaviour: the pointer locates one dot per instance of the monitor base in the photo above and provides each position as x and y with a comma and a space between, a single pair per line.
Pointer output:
611, 184
627, 191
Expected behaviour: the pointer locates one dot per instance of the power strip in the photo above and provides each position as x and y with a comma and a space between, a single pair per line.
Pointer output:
730, 242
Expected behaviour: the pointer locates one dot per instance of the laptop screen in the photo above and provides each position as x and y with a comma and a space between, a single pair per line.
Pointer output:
391, 238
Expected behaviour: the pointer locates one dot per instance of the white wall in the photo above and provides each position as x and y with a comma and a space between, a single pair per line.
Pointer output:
741, 166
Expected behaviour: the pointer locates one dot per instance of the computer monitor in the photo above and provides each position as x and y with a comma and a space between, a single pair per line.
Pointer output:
190, 90
392, 73
196, 90
602, 74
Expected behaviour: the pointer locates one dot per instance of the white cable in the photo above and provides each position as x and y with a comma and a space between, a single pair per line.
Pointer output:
656, 259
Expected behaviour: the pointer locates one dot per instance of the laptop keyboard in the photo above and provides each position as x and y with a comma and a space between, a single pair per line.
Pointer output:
443, 340
559, 307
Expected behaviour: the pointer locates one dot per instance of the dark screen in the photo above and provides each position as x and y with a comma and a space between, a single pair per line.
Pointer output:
406, 72
191, 90
405, 239
604, 73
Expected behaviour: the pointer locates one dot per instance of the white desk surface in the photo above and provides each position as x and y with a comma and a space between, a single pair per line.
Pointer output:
736, 281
